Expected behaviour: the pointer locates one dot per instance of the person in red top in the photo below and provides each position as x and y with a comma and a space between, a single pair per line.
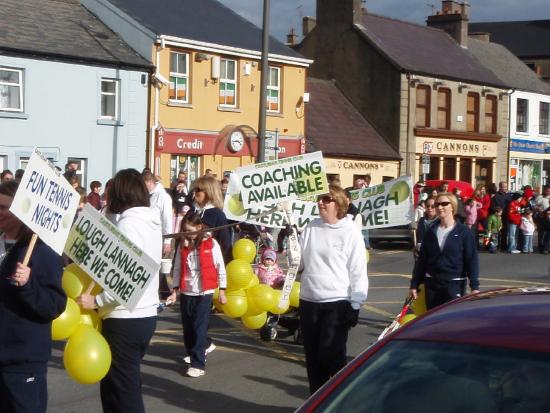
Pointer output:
514, 220
484, 199
94, 199
198, 270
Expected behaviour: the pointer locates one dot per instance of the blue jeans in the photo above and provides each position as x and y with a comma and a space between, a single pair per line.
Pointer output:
512, 237
195, 313
527, 243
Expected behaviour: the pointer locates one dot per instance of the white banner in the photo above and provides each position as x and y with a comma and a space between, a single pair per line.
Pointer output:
111, 259
45, 202
285, 179
386, 205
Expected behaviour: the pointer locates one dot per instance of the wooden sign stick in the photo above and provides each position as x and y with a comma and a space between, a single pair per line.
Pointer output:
30, 249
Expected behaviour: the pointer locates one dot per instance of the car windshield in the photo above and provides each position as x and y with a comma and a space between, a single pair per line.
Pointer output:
423, 377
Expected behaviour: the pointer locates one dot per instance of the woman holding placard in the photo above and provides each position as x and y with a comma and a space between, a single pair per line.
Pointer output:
128, 332
30, 298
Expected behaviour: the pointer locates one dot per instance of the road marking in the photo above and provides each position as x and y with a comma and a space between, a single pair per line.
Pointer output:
389, 252
381, 274
389, 288
378, 311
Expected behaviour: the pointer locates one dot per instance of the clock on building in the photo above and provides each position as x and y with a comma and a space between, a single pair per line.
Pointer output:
236, 141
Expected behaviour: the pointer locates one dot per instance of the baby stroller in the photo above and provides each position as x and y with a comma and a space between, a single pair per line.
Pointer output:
289, 320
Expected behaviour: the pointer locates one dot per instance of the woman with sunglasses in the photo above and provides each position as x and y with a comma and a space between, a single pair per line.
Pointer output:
30, 298
334, 285
448, 257
424, 223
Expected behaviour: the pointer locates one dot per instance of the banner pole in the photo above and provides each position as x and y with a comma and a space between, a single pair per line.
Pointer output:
30, 249
90, 288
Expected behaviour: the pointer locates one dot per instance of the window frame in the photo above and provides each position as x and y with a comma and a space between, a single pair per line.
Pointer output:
493, 115
180, 75
116, 116
426, 107
524, 116
544, 121
274, 88
225, 80
472, 113
446, 109
20, 85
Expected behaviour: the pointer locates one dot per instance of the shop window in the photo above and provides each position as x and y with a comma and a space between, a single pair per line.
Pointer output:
185, 163
484, 172
543, 118
81, 172
522, 111
110, 98
333, 178
423, 99
387, 178
491, 114
11, 89
434, 168
472, 112
449, 168
274, 90
179, 77
465, 172
444, 108
228, 83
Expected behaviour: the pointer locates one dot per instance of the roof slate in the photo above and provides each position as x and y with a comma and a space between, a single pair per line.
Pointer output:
62, 28
507, 66
335, 127
202, 20
425, 50
522, 38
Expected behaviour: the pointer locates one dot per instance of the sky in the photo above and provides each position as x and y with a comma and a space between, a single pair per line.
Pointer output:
288, 13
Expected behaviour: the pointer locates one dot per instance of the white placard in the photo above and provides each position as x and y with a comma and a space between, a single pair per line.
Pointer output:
45, 202
111, 259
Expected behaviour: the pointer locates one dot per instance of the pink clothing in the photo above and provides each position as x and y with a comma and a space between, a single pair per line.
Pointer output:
471, 213
272, 276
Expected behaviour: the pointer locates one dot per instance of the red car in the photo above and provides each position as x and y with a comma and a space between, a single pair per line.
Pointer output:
466, 189
488, 352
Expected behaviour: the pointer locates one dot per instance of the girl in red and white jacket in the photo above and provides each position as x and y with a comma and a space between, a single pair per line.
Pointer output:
198, 270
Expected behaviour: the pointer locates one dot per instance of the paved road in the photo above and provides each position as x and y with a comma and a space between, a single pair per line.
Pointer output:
245, 374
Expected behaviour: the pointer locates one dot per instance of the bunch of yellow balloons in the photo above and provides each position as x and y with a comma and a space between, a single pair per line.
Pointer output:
246, 297
87, 356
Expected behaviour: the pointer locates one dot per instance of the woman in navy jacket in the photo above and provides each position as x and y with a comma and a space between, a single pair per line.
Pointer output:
30, 298
448, 257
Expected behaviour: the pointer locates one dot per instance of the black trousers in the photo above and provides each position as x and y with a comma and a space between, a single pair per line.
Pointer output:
128, 339
23, 392
441, 292
325, 333
195, 315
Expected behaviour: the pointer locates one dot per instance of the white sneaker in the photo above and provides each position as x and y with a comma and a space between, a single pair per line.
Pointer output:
210, 349
195, 372
515, 251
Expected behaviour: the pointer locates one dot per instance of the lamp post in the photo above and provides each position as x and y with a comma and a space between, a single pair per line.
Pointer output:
263, 80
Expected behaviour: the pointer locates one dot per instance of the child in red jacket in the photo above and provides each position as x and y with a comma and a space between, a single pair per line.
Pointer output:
514, 220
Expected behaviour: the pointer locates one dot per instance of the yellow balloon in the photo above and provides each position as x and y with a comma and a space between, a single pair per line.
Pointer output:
407, 318
236, 304
261, 296
276, 309
419, 305
87, 356
66, 324
239, 274
368, 255
244, 249
75, 281
254, 321
295, 294
90, 318
254, 281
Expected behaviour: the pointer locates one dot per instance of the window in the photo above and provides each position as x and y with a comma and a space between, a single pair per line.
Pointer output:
274, 90
444, 109
522, 110
228, 82
423, 106
109, 98
81, 171
11, 89
543, 118
179, 77
491, 114
472, 112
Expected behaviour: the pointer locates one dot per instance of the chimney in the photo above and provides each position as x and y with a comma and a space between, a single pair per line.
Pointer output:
453, 18
308, 23
291, 37
484, 37
339, 12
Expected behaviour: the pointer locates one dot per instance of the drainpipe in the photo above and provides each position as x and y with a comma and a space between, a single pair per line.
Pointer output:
156, 118
407, 162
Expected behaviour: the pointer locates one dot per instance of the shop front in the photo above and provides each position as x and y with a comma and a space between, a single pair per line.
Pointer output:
193, 152
529, 164
457, 159
346, 170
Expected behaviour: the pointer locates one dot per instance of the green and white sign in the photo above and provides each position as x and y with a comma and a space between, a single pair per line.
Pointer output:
111, 259
386, 205
273, 182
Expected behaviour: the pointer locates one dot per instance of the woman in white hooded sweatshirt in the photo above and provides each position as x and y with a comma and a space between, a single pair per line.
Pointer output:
129, 332
334, 285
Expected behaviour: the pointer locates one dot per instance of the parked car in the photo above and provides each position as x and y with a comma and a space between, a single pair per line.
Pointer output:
399, 233
466, 189
488, 352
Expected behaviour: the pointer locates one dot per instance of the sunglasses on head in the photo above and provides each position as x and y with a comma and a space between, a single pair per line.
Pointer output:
325, 199
443, 204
